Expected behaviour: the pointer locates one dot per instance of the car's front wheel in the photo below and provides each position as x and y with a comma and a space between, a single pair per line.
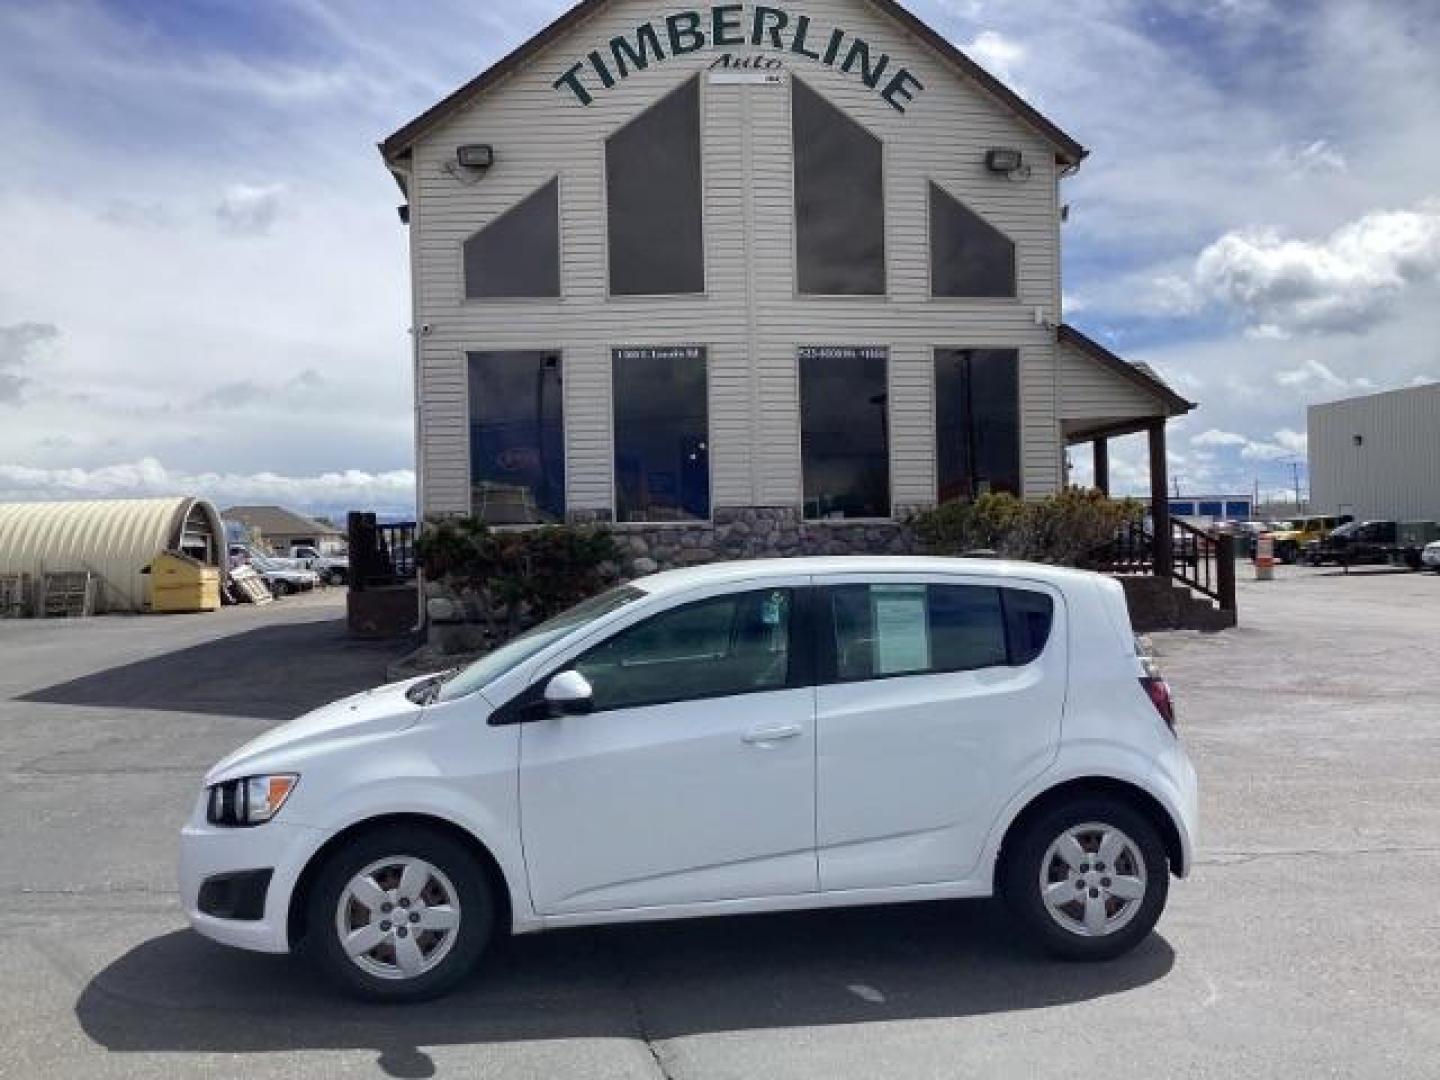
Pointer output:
1087, 880
400, 914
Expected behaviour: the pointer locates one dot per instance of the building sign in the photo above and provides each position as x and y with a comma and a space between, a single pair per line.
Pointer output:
843, 352
658, 352
733, 29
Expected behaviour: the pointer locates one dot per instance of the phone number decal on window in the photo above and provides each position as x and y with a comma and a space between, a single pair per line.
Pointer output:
843, 352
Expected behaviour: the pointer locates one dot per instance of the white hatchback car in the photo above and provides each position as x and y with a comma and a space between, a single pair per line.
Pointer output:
740, 737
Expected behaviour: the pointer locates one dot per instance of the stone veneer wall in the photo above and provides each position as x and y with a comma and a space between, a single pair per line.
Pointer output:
455, 626
753, 533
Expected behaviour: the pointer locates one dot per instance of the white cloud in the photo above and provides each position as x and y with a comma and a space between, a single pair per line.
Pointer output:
1216, 437
1315, 373
1312, 158
389, 492
1296, 442
249, 209
1264, 451
18, 344
997, 53
1345, 282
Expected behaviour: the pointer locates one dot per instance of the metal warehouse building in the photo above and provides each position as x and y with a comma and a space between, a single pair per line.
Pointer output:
114, 541
1378, 456
782, 272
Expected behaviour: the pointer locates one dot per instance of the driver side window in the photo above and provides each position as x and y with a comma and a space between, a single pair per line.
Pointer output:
733, 644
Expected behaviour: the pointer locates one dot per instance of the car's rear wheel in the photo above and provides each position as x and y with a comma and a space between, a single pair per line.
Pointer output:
400, 914
1087, 880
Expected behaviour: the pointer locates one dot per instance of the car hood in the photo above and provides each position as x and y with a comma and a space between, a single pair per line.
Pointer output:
383, 710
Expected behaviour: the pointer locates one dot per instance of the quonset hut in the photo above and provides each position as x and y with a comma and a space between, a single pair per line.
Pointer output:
114, 540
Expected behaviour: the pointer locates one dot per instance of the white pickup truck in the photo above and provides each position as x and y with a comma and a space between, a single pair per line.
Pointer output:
332, 569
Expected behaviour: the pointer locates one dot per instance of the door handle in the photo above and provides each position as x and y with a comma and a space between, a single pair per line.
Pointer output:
760, 736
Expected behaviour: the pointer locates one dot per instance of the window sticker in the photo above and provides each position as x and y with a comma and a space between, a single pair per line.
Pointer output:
773, 610
902, 631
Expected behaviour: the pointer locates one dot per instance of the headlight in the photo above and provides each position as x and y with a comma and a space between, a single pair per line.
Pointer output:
250, 801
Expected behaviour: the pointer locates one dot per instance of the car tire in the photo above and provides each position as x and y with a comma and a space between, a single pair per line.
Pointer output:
1097, 922
410, 874
280, 589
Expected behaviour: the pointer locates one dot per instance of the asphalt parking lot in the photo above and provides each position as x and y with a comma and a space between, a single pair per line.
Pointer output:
1306, 944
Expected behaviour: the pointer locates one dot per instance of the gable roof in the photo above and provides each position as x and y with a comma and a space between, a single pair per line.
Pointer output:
1142, 375
1067, 150
277, 521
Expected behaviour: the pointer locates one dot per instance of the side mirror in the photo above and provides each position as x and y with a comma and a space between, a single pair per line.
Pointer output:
569, 694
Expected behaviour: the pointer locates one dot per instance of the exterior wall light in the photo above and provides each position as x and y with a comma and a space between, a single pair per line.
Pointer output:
1003, 160
476, 156
1359, 440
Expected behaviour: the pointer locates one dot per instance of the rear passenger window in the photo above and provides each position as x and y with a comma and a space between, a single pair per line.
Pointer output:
888, 630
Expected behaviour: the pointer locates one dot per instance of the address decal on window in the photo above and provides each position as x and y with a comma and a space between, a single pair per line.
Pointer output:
738, 26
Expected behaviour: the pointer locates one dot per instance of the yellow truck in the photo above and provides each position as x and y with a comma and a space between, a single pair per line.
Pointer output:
1290, 542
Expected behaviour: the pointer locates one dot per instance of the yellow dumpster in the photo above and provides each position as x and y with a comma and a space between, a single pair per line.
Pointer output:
178, 583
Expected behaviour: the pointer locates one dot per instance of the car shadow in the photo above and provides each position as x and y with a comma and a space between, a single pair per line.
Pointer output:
182, 993
269, 673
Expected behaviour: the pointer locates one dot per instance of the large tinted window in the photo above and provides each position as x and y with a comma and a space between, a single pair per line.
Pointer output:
839, 200
736, 644
652, 176
887, 630
662, 452
845, 431
517, 437
518, 254
968, 255
977, 421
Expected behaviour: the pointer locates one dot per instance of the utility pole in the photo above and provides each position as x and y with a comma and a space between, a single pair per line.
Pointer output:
1295, 472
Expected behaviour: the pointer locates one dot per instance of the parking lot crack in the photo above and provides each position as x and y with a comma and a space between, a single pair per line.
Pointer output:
1240, 858
637, 1014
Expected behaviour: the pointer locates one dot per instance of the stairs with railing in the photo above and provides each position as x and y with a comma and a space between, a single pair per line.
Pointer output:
1188, 584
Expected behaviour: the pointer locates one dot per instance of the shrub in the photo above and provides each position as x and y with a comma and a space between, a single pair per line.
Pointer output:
517, 577
1065, 528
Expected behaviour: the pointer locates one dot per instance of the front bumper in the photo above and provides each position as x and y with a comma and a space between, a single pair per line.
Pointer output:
207, 852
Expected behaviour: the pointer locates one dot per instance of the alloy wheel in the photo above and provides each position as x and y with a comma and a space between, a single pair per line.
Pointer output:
1093, 879
398, 918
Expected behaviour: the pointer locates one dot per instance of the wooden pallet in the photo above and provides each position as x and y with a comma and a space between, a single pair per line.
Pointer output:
67, 595
14, 596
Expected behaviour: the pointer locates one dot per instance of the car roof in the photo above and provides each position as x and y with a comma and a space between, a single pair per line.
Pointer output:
759, 570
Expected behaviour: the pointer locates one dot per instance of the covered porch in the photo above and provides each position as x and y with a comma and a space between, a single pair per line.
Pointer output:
1103, 398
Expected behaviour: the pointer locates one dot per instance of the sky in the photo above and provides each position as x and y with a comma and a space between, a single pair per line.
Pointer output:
204, 283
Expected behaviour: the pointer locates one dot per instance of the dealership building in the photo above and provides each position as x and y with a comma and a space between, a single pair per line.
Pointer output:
772, 276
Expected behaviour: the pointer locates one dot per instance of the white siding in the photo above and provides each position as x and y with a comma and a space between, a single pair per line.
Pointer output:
749, 318
1091, 391
1394, 473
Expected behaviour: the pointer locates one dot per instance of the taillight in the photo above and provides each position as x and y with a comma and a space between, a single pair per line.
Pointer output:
1159, 692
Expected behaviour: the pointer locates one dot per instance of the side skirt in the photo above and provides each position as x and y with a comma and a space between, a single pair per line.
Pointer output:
949, 890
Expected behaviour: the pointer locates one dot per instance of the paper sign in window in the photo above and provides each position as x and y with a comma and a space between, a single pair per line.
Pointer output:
902, 631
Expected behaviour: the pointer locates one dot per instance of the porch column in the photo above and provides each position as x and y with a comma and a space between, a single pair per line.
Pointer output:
1102, 465
1160, 498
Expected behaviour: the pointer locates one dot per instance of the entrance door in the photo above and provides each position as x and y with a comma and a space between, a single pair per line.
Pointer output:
694, 777
941, 700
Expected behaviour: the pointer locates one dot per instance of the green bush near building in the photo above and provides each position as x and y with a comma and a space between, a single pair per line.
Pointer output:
517, 577
1063, 529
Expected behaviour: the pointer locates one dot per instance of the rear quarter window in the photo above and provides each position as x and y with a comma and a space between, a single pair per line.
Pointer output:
1029, 616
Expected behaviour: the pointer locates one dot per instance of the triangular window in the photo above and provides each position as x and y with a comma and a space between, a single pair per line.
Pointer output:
517, 254
968, 255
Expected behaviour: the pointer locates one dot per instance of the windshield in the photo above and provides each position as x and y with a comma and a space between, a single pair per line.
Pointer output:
491, 666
